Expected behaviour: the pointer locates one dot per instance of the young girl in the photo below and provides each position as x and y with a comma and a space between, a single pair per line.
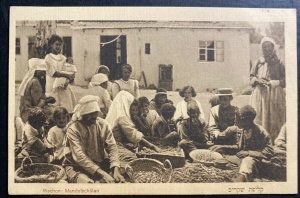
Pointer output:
57, 133
125, 83
98, 86
55, 62
188, 93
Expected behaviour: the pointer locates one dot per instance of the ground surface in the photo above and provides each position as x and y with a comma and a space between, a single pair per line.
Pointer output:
238, 100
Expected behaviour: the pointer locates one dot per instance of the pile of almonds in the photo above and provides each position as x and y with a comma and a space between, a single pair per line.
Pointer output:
147, 177
199, 173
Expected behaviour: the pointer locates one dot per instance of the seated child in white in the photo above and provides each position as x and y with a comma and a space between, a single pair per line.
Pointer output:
57, 133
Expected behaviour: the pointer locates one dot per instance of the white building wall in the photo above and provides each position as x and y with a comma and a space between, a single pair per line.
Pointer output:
179, 47
86, 54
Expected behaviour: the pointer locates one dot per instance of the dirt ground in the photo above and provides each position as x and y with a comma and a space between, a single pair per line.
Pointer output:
203, 98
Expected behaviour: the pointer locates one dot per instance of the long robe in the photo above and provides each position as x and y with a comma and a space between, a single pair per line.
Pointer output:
269, 103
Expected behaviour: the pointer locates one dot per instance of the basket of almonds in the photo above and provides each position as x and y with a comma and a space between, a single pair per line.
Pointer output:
149, 171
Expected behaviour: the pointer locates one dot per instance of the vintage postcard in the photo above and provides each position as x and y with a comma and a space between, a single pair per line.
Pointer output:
152, 100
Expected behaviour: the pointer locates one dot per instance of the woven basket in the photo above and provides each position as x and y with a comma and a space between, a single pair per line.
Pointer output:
205, 156
149, 171
38, 172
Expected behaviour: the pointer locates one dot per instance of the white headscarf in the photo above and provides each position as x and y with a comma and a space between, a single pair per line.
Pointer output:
33, 65
87, 104
101, 66
265, 39
97, 79
119, 107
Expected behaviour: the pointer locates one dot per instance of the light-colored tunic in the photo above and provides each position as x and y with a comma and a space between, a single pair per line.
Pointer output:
131, 86
56, 137
91, 145
104, 101
126, 132
221, 118
181, 110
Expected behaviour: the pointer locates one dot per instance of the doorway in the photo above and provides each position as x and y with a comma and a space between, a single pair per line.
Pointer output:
113, 54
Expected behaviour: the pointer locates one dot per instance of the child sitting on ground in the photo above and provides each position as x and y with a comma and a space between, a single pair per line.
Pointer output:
98, 86
33, 135
57, 133
193, 130
255, 144
145, 119
163, 126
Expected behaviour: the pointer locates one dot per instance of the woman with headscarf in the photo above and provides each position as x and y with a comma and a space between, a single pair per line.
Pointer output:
125, 83
93, 150
267, 78
121, 114
98, 86
32, 88
159, 99
103, 69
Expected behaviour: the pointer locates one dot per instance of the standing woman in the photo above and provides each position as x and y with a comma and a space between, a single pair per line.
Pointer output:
125, 83
188, 93
55, 62
267, 78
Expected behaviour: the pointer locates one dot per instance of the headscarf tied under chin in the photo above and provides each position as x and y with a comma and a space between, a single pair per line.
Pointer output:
87, 104
98, 79
120, 106
273, 57
33, 65
269, 39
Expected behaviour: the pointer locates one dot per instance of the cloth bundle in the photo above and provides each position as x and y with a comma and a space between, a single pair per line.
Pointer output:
62, 82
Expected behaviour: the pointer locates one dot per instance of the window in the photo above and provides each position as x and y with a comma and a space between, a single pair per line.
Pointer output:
211, 51
147, 48
32, 52
67, 46
18, 46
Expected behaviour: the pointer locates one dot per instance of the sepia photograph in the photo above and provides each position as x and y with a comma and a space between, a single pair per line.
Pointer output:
179, 102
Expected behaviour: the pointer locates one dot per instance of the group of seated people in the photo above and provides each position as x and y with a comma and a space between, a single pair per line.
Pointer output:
100, 136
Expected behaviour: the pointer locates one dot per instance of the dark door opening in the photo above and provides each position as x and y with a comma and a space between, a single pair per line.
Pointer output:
113, 54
